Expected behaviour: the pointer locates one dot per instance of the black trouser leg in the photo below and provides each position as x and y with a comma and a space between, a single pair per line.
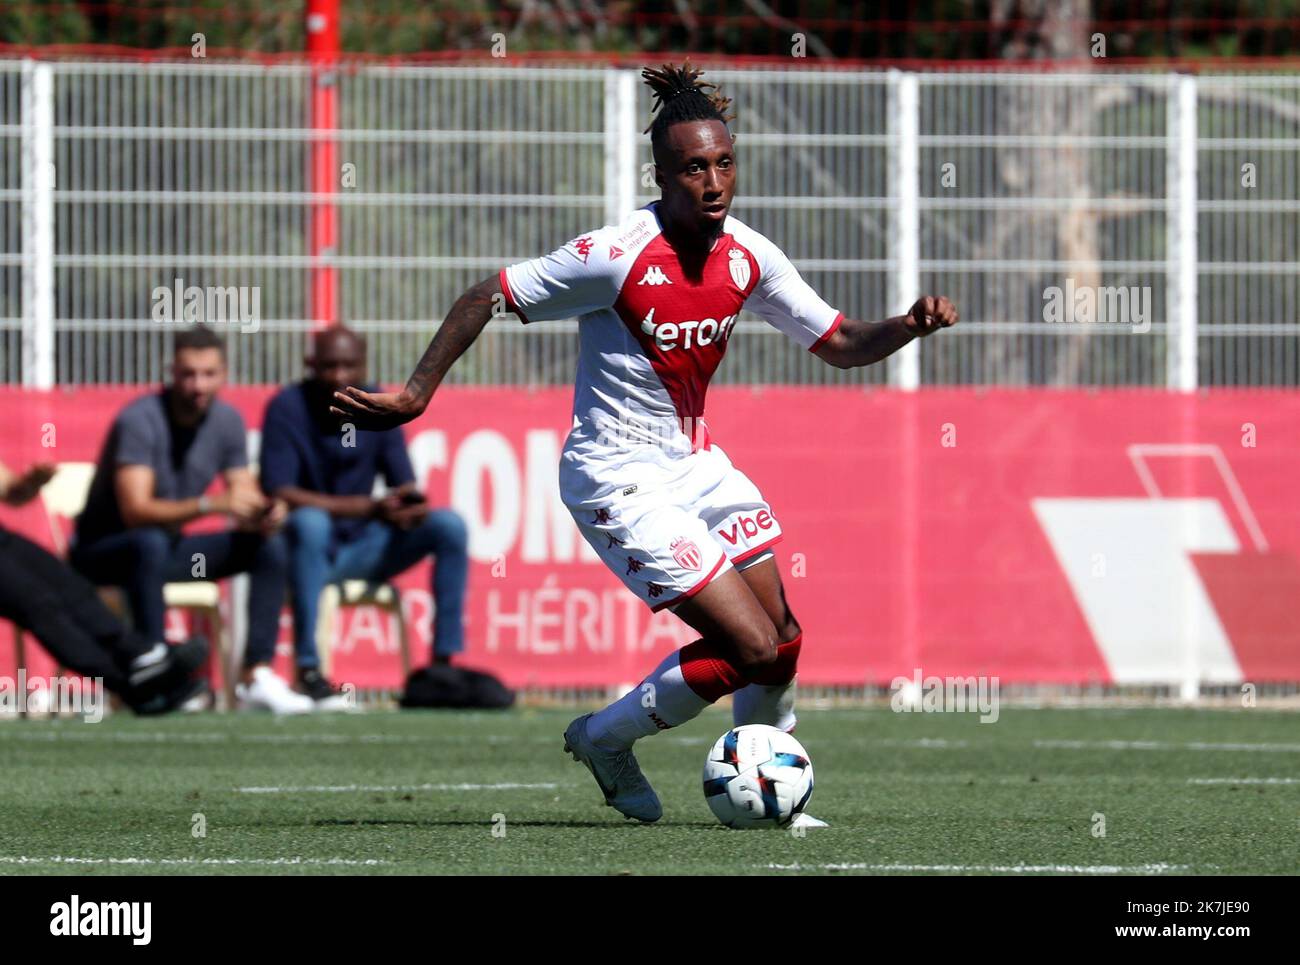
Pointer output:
64, 612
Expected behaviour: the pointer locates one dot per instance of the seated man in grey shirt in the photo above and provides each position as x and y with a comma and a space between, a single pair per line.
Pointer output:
162, 453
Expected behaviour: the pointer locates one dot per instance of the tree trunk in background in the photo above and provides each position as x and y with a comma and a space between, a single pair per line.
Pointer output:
1043, 30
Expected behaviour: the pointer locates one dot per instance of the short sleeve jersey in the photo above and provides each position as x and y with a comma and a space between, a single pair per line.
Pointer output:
185, 462
650, 337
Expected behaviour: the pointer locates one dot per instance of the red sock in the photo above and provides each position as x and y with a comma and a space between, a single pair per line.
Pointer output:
707, 672
781, 670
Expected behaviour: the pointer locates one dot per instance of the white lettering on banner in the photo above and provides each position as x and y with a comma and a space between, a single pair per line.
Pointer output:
523, 504
549, 532
369, 625
581, 616
1151, 603
373, 628
527, 501
545, 615
487, 452
551, 619
428, 451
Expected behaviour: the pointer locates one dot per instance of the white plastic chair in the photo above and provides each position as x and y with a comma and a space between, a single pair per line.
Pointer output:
353, 593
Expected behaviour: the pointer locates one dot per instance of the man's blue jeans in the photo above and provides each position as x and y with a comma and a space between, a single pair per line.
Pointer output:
142, 560
378, 553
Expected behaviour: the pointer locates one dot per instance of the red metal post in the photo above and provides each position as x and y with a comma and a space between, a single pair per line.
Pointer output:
323, 167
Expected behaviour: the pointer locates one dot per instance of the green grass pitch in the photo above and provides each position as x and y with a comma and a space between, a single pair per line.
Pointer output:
1179, 791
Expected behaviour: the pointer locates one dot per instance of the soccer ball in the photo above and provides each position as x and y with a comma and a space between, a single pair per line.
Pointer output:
757, 777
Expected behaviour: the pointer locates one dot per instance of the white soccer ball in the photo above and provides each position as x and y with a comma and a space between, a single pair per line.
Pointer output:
757, 777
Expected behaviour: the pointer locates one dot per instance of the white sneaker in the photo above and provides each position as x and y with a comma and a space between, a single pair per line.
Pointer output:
617, 772
269, 692
805, 821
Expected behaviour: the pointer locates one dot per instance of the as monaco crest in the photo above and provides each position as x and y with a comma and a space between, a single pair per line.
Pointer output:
739, 268
685, 552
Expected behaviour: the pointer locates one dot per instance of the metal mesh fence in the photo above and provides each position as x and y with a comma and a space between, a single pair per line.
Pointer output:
179, 174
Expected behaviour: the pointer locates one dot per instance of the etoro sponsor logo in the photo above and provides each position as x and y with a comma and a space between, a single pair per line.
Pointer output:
747, 526
692, 333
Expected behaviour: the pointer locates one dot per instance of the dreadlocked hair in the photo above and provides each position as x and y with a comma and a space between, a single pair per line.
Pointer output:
681, 96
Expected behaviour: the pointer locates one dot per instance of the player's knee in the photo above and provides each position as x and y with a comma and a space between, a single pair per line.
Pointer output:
756, 649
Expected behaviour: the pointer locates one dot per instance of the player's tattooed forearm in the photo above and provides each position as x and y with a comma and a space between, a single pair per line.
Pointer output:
456, 334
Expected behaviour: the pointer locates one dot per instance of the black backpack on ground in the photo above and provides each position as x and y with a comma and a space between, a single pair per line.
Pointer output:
442, 685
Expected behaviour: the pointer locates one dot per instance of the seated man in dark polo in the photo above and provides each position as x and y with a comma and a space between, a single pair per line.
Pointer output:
162, 453
336, 529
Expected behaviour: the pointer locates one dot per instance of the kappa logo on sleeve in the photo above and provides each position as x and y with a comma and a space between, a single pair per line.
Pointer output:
583, 247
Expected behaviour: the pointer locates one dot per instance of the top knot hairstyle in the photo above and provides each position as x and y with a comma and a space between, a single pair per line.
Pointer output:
681, 96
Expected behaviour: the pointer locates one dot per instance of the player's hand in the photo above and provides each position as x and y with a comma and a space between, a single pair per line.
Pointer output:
24, 489
929, 314
375, 410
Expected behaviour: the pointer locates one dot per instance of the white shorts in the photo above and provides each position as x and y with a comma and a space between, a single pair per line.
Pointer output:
668, 533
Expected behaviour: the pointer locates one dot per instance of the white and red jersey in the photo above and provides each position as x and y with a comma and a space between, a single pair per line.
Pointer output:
650, 338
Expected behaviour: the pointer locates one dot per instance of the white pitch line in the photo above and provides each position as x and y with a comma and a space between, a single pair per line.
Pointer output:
1086, 869
1243, 780
218, 737
1116, 745
391, 788
206, 862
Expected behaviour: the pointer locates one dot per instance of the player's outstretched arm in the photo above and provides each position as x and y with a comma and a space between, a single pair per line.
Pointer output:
857, 343
383, 410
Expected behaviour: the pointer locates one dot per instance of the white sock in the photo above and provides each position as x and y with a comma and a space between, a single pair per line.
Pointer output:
663, 700
765, 704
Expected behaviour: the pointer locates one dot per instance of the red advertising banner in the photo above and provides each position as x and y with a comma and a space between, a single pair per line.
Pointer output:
1122, 536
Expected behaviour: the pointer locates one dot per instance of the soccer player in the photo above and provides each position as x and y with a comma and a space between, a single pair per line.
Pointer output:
657, 299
